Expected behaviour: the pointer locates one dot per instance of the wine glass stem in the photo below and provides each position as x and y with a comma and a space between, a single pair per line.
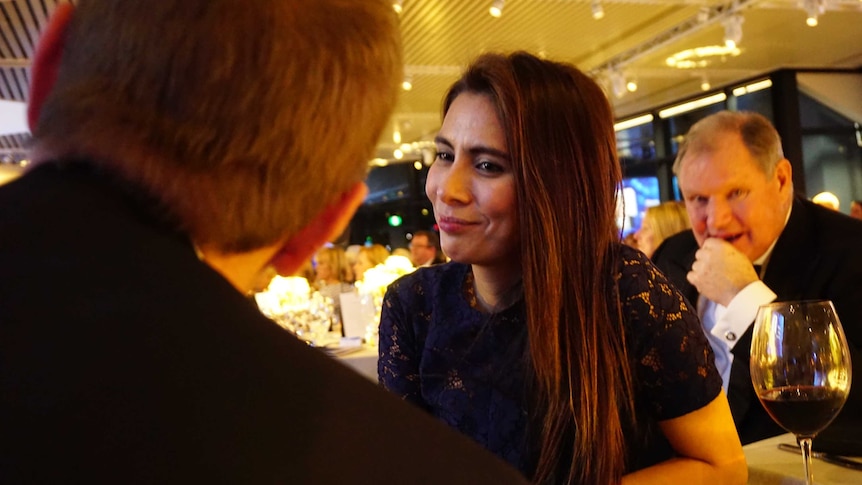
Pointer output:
805, 445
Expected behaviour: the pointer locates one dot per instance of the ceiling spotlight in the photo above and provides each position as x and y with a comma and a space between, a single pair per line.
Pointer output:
704, 84
396, 136
813, 8
496, 9
597, 9
407, 83
398, 6
632, 86
733, 30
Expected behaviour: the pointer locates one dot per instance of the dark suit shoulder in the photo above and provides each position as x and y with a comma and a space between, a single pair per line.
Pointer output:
674, 246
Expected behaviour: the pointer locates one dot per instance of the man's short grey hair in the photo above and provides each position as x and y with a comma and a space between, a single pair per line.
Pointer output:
757, 133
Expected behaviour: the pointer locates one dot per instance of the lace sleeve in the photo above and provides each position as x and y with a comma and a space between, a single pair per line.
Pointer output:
674, 364
398, 363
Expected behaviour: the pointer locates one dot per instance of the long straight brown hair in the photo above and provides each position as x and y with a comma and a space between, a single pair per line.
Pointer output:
559, 131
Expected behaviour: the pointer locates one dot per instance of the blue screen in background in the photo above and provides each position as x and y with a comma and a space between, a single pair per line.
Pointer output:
638, 193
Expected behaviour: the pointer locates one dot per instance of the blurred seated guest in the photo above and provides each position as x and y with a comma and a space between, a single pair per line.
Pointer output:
351, 252
173, 161
828, 200
545, 339
856, 209
659, 223
332, 275
403, 252
425, 249
367, 258
331, 268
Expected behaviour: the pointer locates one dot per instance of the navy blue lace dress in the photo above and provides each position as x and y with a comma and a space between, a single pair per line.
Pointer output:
470, 369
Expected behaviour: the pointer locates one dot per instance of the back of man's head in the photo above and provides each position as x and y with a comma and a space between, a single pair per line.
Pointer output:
756, 132
243, 118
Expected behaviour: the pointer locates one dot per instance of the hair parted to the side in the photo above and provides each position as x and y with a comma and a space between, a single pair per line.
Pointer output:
559, 131
239, 116
757, 134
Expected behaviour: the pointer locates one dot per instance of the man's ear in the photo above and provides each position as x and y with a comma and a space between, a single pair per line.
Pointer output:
46, 62
784, 174
327, 225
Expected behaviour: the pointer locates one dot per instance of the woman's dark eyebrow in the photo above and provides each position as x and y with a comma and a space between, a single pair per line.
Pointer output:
475, 150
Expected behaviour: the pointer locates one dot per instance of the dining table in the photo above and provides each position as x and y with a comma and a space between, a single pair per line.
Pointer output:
770, 465
362, 359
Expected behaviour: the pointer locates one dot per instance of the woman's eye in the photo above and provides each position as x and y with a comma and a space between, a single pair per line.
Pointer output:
487, 166
444, 156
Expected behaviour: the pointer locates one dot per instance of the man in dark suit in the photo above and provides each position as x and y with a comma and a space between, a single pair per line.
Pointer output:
178, 153
753, 242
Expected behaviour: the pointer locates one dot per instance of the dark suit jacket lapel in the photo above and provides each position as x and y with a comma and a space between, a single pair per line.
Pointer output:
794, 252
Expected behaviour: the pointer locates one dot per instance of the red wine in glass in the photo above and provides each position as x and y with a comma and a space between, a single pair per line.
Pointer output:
803, 410
800, 368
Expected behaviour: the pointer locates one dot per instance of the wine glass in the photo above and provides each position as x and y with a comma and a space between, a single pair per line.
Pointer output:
800, 368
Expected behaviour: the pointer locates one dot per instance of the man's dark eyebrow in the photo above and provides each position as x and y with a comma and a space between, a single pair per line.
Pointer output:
475, 150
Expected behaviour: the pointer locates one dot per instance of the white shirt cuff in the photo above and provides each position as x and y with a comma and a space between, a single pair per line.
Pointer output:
733, 321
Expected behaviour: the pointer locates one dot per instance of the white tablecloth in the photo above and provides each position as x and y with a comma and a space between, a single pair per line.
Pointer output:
767, 465
363, 361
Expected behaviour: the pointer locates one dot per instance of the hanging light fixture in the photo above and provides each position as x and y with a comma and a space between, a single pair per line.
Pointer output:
597, 9
396, 134
496, 9
813, 9
733, 30
618, 82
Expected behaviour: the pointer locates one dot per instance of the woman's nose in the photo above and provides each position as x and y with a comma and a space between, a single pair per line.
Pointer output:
454, 186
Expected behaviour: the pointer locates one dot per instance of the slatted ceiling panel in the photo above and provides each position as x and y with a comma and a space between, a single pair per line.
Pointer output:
13, 142
13, 84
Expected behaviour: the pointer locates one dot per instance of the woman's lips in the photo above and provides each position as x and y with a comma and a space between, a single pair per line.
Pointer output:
452, 224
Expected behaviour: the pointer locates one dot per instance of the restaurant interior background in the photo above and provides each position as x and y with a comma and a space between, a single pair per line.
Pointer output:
664, 64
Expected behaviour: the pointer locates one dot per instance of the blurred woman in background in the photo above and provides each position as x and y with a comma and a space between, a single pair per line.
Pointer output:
367, 258
659, 223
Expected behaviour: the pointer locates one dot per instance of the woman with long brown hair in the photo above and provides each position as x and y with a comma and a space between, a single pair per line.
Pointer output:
546, 340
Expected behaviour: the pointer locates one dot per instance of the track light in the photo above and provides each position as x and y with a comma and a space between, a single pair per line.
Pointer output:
733, 30
813, 9
597, 9
496, 9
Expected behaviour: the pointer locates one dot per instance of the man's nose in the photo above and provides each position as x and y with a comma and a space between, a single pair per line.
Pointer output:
718, 214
